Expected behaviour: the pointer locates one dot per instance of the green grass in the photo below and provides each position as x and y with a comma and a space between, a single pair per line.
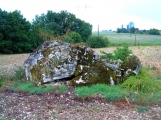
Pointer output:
19, 85
141, 88
31, 88
109, 92
141, 39
2, 118
142, 109
61, 89
117, 92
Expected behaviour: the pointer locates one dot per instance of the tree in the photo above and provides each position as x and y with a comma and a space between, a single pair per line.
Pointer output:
122, 30
133, 30
62, 23
154, 31
15, 33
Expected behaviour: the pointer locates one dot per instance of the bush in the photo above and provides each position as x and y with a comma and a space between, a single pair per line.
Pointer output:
122, 53
98, 42
72, 37
119, 53
141, 83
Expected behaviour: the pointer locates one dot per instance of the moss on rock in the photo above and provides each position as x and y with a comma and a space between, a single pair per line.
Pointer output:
96, 73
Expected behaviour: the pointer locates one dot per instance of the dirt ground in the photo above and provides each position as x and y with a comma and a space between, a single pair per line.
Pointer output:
67, 106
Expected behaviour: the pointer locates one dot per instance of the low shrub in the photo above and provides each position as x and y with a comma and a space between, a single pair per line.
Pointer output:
98, 42
141, 83
120, 53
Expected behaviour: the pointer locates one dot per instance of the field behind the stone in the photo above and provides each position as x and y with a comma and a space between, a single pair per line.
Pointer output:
150, 57
138, 39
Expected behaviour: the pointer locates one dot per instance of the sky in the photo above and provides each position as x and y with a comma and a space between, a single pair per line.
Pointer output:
108, 14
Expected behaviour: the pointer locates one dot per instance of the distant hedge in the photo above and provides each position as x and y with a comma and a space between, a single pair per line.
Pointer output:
98, 42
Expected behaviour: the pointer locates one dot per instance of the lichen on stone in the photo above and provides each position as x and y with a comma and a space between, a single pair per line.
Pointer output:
57, 60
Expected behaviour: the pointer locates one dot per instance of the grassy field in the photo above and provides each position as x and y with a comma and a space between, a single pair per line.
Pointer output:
141, 39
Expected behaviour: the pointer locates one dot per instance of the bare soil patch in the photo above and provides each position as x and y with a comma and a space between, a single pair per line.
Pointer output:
67, 106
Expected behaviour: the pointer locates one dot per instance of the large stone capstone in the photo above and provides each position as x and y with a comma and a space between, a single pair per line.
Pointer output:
57, 60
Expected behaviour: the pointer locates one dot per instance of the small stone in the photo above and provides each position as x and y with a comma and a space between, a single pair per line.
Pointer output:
61, 96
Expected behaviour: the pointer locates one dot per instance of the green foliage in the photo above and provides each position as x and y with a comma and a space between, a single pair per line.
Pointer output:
72, 37
31, 88
109, 92
141, 83
107, 56
61, 89
120, 53
156, 97
133, 30
98, 41
15, 33
63, 23
122, 30
142, 109
2, 118
154, 31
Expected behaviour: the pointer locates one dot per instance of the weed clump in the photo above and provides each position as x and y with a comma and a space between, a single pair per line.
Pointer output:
141, 83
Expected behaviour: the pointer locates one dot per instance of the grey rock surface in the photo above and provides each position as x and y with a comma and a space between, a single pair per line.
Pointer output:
57, 60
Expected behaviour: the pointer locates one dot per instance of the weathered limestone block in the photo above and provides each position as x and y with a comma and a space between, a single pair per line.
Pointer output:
56, 60
131, 66
98, 72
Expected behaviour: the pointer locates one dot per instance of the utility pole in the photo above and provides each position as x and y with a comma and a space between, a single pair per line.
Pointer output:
98, 30
135, 38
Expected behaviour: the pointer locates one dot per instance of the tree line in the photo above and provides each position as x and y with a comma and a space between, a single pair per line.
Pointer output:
17, 35
136, 30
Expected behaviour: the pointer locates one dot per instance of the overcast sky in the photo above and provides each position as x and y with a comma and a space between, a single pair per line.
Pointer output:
109, 14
